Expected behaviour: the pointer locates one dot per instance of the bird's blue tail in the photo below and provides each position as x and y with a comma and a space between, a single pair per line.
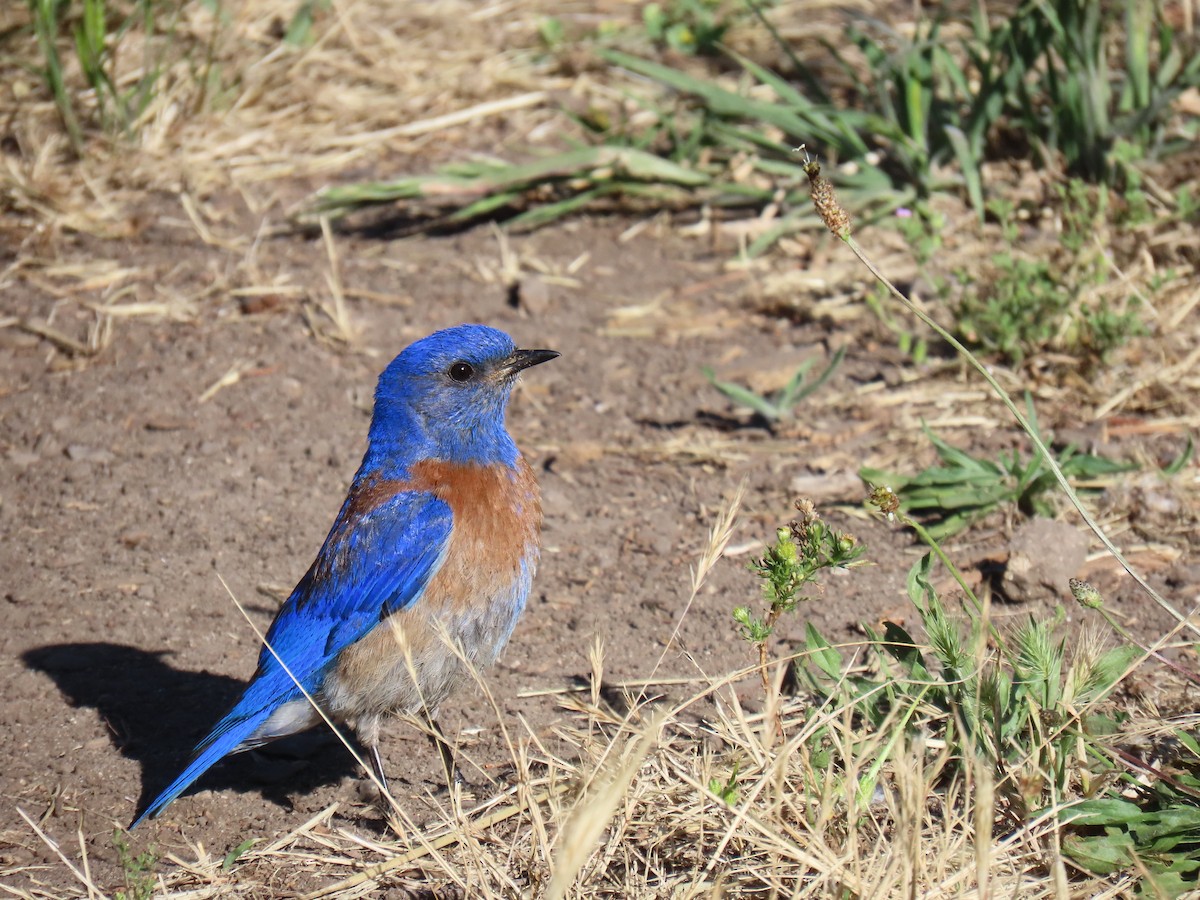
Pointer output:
262, 697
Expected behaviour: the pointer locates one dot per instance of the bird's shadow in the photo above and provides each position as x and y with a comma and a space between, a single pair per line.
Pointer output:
156, 714
716, 421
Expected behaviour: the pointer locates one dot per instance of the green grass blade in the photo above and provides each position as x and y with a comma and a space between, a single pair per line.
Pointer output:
46, 24
807, 390
968, 163
1176, 465
485, 206
787, 396
728, 104
824, 118
806, 74
744, 397
545, 213
1138, 77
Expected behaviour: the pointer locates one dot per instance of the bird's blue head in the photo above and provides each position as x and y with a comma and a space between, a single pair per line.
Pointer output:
444, 397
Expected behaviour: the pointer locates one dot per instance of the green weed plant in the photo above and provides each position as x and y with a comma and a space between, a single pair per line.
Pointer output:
1027, 305
92, 34
780, 406
95, 31
694, 27
962, 489
137, 870
790, 570
1017, 707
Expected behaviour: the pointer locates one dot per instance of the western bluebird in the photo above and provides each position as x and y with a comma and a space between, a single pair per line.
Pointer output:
438, 537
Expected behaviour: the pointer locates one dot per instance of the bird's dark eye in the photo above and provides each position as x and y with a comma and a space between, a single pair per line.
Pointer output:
461, 371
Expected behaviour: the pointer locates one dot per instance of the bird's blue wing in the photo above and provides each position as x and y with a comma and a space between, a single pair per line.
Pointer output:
375, 561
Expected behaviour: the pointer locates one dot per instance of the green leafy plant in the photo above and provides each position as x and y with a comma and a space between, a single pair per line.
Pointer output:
1187, 206
781, 405
1023, 709
1003, 210
1039, 739
1024, 306
688, 26
726, 790
922, 230
964, 488
552, 32
789, 569
137, 869
1103, 328
1160, 834
1015, 311
1155, 825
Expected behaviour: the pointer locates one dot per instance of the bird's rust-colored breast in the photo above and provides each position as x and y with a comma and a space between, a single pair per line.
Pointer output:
496, 508
497, 516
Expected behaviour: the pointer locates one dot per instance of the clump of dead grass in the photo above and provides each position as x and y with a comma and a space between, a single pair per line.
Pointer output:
238, 107
634, 814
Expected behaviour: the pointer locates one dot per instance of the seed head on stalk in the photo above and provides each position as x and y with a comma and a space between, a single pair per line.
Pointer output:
825, 201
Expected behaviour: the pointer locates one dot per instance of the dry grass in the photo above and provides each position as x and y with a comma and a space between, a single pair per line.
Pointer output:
380, 82
629, 812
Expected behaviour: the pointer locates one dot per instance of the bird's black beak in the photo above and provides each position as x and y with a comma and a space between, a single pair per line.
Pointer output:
523, 359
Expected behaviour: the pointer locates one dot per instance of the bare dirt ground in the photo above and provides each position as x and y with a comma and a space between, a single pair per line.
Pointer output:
149, 458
